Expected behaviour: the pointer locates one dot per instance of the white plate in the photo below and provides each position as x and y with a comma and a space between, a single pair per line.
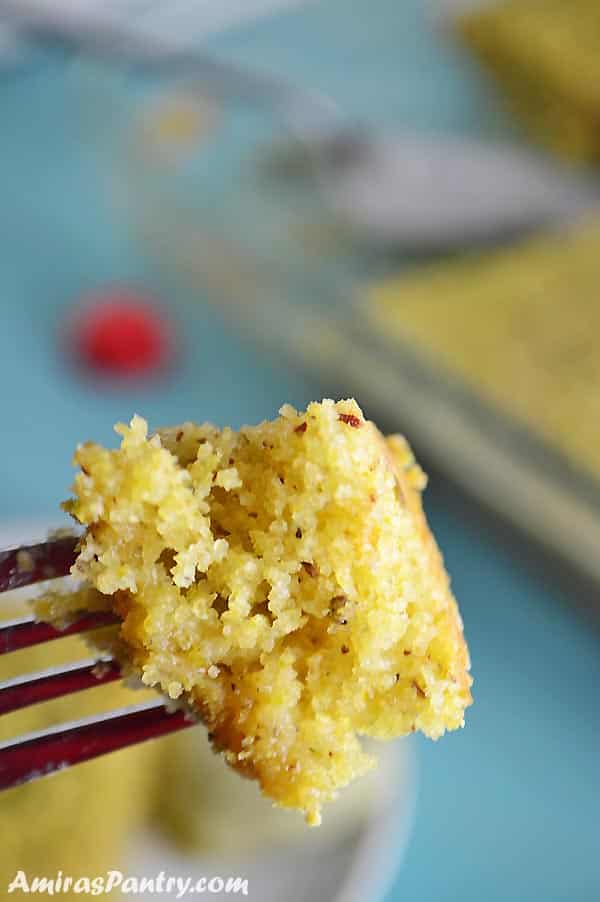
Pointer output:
358, 866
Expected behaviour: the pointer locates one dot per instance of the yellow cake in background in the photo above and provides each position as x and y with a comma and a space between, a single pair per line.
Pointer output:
545, 54
283, 580
518, 326
77, 821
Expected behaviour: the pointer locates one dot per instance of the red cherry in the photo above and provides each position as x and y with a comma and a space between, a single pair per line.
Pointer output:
122, 334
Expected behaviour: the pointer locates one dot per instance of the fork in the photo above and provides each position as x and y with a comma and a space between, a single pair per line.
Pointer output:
37, 754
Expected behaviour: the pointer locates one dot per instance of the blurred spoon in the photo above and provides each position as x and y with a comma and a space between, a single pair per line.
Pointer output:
429, 192
423, 193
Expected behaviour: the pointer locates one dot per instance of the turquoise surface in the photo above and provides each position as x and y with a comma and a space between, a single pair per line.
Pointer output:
510, 807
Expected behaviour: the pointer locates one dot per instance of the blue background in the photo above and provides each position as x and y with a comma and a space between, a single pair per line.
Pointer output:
510, 807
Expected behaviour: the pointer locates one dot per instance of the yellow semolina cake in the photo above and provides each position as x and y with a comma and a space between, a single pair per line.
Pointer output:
283, 581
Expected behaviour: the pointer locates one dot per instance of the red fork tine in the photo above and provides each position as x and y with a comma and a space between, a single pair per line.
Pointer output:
34, 563
41, 687
31, 564
26, 631
44, 753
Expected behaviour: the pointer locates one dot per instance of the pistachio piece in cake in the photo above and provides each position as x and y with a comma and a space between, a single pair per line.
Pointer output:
282, 580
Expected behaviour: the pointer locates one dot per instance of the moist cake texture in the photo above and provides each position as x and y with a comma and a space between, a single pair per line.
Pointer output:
283, 581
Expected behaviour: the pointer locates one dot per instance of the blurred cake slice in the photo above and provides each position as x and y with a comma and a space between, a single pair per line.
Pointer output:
545, 54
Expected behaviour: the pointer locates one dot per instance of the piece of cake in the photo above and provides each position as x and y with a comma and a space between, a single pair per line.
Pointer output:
517, 327
545, 54
283, 581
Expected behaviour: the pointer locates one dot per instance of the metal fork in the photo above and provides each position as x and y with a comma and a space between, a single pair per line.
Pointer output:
37, 754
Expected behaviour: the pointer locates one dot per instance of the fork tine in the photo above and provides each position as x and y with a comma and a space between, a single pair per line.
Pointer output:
44, 753
35, 563
41, 687
26, 631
